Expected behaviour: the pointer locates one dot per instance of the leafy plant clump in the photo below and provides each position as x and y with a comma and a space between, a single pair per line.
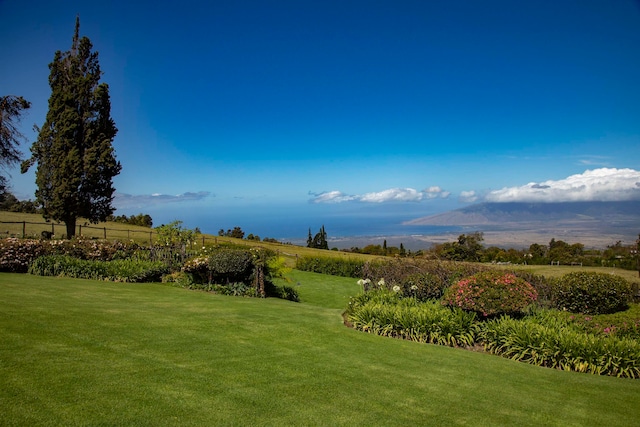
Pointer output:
592, 293
117, 270
385, 313
491, 293
549, 341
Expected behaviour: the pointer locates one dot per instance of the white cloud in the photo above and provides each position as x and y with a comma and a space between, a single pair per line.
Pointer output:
468, 196
384, 196
123, 201
605, 184
435, 191
393, 195
331, 197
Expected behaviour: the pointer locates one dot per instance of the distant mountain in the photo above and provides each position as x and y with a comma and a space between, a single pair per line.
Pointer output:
610, 220
608, 213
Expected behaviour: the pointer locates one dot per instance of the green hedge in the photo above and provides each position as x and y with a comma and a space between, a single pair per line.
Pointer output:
345, 267
592, 293
117, 270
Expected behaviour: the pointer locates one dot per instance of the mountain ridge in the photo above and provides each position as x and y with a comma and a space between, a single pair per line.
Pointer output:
599, 223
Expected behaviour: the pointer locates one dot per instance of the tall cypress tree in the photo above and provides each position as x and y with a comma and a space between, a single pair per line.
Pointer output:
74, 152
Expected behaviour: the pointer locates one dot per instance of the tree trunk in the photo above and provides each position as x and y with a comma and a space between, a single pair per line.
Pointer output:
71, 228
261, 281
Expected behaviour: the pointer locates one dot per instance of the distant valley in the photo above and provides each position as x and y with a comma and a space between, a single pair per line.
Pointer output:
595, 224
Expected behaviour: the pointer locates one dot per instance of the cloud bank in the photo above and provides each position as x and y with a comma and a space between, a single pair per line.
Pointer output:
384, 196
604, 185
123, 201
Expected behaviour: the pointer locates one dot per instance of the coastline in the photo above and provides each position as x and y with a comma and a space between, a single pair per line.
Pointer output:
507, 239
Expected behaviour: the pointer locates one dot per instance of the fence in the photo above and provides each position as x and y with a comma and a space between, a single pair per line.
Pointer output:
39, 230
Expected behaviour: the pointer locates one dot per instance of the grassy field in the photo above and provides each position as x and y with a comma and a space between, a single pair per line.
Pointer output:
560, 270
79, 352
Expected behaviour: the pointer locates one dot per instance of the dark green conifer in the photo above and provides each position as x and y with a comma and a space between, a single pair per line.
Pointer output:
74, 152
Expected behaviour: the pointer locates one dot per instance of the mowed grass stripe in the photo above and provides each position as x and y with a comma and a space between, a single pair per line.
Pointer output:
79, 352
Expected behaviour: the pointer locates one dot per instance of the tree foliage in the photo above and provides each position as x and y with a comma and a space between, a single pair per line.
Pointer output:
11, 109
235, 233
467, 248
143, 220
74, 152
173, 234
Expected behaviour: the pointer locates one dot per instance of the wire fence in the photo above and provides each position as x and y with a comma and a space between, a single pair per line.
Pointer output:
48, 230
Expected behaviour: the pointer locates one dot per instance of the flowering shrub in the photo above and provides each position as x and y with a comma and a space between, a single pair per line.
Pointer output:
592, 293
423, 286
17, 254
198, 267
400, 270
491, 293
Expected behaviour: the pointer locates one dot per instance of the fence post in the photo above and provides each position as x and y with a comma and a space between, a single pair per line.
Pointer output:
53, 231
24, 229
80, 230
128, 235
150, 239
105, 233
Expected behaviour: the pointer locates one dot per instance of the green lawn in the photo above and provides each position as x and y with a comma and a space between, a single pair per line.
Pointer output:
79, 352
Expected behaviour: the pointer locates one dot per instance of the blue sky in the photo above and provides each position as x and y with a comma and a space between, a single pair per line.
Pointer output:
244, 112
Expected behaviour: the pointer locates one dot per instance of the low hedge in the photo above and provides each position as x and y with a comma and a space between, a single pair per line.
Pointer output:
117, 270
345, 267
16, 254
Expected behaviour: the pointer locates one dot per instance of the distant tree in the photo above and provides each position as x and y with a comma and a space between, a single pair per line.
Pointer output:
372, 250
310, 239
537, 253
236, 232
7, 200
320, 240
143, 220
560, 251
74, 152
467, 248
403, 252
